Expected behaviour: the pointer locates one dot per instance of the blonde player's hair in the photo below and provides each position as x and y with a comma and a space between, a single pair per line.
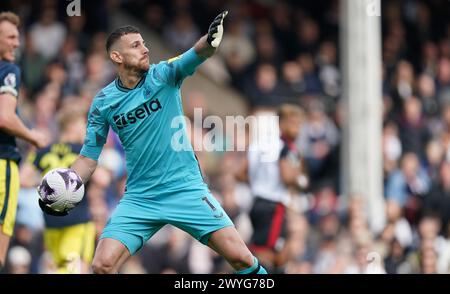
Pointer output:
10, 17
289, 110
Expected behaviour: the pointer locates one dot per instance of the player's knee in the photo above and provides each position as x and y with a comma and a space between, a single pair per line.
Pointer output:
102, 266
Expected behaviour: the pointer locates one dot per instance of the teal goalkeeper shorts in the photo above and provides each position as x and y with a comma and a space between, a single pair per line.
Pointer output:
137, 218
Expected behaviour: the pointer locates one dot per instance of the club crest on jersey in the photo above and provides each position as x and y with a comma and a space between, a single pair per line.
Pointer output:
147, 92
10, 80
123, 120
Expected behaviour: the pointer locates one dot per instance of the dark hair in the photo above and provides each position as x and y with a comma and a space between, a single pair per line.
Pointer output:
118, 33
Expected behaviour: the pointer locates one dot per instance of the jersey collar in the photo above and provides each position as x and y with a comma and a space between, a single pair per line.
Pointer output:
122, 88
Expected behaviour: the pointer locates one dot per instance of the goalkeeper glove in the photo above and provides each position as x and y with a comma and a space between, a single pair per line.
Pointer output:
46, 208
215, 31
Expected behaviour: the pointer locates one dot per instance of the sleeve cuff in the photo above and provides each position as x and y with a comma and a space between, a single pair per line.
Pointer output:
91, 152
190, 61
8, 89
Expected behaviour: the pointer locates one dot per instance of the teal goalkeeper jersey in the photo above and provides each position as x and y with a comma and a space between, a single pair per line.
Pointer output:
147, 121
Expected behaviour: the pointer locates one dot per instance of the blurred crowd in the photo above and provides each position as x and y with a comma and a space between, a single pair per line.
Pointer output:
275, 52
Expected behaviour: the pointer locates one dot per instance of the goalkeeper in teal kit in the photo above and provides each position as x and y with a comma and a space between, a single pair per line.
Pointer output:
164, 185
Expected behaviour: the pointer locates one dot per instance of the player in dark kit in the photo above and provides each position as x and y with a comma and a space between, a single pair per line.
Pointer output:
11, 127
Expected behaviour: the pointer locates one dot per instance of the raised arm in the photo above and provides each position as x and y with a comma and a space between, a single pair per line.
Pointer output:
176, 69
207, 45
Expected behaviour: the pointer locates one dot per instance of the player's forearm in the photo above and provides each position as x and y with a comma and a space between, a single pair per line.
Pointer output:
292, 176
84, 167
288, 172
28, 176
203, 48
13, 125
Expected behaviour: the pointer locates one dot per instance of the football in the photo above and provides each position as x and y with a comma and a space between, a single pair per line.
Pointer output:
61, 189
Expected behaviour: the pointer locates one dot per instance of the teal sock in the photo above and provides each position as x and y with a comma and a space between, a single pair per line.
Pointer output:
256, 268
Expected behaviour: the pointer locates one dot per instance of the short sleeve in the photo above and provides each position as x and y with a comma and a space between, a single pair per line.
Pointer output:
96, 132
10, 79
176, 69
